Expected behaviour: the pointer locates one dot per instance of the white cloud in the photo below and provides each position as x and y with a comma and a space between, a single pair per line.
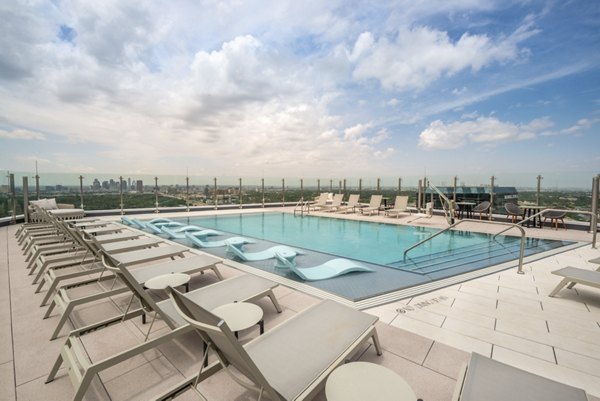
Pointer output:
22, 134
416, 57
483, 130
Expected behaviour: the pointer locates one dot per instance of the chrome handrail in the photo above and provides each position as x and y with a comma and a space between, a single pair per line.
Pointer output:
521, 254
594, 226
450, 212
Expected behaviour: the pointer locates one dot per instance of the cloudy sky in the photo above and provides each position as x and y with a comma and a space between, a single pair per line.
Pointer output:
300, 88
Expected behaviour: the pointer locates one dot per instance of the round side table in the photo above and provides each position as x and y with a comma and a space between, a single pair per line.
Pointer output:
359, 381
163, 282
240, 316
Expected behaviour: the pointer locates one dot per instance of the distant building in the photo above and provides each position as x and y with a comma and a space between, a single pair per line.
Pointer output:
139, 186
105, 185
96, 185
129, 184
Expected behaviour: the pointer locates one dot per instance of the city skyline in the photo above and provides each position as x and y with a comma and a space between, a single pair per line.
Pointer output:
472, 88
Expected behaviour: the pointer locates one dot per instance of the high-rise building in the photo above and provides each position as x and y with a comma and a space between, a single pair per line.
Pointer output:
139, 186
129, 184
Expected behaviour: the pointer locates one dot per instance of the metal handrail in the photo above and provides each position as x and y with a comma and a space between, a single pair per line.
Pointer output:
521, 254
450, 212
594, 228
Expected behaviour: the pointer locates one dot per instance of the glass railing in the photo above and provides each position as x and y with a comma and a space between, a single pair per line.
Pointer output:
129, 192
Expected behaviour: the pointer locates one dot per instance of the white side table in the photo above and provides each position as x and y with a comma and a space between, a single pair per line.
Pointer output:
163, 282
241, 316
360, 381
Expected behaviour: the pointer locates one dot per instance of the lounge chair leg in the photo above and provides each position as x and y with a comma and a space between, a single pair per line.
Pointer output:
571, 285
55, 368
271, 296
376, 342
559, 287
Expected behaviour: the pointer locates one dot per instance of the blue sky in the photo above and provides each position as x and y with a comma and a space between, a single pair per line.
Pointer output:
302, 89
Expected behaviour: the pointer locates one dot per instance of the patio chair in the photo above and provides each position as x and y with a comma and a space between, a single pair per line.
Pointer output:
330, 269
291, 361
400, 206
335, 203
487, 379
574, 275
482, 209
192, 264
350, 206
82, 370
554, 217
374, 205
513, 211
320, 202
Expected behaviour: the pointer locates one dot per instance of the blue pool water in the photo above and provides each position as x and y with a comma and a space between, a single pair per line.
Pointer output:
377, 245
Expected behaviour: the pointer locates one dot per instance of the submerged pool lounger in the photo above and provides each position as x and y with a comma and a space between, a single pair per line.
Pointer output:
180, 232
270, 253
234, 241
331, 268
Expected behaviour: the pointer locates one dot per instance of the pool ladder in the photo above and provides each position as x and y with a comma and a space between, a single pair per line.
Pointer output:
302, 207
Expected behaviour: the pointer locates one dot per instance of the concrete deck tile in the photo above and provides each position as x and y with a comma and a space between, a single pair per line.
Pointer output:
7, 382
403, 343
588, 364
446, 360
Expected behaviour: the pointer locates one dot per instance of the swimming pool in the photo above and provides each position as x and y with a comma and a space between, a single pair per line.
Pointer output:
377, 245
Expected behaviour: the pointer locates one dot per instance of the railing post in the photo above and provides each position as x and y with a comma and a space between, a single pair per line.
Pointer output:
80, 191
26, 198
537, 194
330, 186
187, 193
344, 185
13, 206
454, 193
283, 192
318, 185
121, 193
419, 195
594, 219
399, 186
156, 194
240, 193
340, 186
359, 188
37, 183
491, 197
301, 190
263, 191
215, 194
378, 185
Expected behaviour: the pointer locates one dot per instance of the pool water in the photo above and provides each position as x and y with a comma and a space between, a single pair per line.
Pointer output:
378, 245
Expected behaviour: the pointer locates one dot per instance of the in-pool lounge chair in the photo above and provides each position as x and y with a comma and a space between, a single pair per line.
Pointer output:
180, 232
485, 379
400, 206
270, 253
574, 275
374, 205
351, 205
291, 361
235, 241
330, 269
82, 370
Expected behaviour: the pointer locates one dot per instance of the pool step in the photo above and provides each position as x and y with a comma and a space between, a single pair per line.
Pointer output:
471, 258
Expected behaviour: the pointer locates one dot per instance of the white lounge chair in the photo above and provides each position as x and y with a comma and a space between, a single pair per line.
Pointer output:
180, 232
575, 275
400, 206
335, 203
291, 361
350, 206
374, 205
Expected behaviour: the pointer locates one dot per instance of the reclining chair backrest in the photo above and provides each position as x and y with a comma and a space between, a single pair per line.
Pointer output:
136, 288
215, 332
375, 201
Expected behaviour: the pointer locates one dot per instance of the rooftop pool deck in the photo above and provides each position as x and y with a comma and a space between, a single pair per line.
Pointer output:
426, 338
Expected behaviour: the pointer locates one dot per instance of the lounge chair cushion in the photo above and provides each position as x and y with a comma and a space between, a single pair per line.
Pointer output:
295, 354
